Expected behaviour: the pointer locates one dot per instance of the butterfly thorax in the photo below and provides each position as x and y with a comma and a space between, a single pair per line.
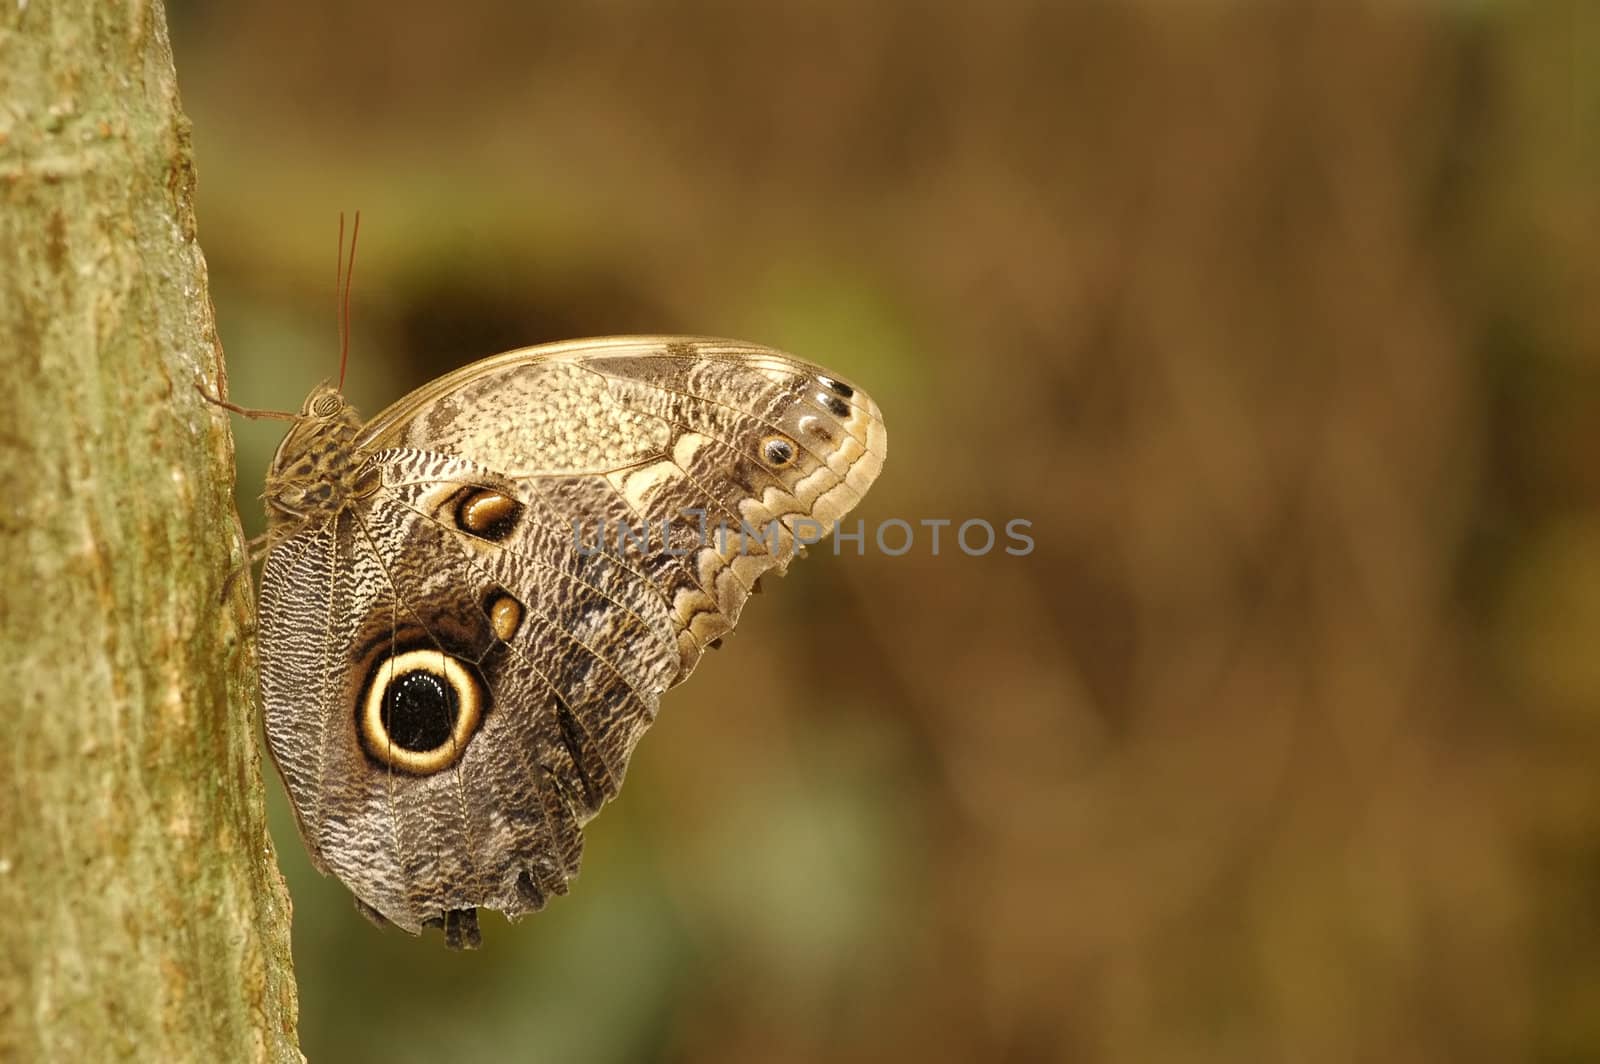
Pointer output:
318, 465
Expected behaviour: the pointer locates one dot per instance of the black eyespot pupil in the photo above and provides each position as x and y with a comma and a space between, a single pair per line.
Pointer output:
419, 711
779, 451
839, 387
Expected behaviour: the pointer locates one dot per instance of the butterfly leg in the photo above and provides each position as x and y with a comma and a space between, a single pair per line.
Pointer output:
244, 411
254, 551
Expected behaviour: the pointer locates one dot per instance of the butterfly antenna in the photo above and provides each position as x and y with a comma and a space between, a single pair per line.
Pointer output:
338, 282
344, 308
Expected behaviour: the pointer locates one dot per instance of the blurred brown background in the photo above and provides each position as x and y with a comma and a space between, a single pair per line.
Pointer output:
1278, 321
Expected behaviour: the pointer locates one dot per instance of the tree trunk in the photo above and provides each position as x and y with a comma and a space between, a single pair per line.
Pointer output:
144, 915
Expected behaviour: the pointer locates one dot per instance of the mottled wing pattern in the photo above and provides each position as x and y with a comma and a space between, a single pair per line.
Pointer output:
670, 428
496, 567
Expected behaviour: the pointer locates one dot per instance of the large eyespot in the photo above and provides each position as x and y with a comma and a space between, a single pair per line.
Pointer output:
420, 709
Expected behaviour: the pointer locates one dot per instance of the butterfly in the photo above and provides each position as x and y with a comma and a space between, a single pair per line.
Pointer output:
458, 656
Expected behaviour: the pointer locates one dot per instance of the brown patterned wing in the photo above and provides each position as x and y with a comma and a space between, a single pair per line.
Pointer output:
482, 662
480, 692
627, 433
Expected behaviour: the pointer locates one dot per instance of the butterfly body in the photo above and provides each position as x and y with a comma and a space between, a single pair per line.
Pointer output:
454, 674
313, 472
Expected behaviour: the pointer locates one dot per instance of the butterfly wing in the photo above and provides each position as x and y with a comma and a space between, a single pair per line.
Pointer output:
758, 440
464, 659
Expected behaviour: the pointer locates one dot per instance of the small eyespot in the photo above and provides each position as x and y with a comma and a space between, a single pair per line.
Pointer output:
835, 406
813, 426
487, 514
420, 709
777, 451
505, 616
837, 387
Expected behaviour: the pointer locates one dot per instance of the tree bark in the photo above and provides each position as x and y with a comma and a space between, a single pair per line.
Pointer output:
144, 915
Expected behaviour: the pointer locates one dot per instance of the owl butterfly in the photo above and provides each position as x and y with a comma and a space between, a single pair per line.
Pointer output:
458, 654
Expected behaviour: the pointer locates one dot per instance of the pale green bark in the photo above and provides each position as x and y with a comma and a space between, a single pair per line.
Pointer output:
143, 913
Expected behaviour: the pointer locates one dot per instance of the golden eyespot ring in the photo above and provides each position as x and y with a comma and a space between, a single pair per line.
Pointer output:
777, 450
420, 709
